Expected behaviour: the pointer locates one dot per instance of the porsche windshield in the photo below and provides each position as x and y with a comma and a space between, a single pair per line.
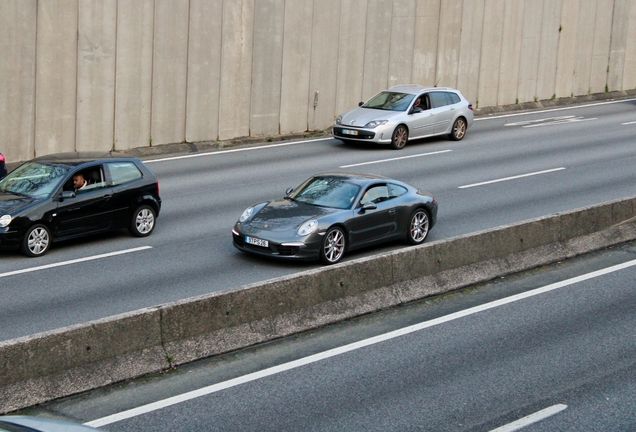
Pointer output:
34, 179
390, 101
333, 192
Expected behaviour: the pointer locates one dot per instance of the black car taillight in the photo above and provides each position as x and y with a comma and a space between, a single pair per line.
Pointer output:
157, 184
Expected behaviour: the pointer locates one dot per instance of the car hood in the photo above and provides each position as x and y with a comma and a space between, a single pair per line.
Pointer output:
10, 203
285, 215
358, 117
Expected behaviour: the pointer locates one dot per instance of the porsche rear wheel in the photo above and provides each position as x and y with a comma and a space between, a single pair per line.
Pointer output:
418, 227
333, 246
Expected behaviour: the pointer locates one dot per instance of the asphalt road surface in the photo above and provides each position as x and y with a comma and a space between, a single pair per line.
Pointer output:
507, 169
552, 349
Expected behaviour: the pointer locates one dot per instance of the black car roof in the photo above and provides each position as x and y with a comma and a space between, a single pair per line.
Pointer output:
78, 158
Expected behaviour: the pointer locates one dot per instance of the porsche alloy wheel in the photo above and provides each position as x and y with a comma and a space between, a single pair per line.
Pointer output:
333, 246
418, 227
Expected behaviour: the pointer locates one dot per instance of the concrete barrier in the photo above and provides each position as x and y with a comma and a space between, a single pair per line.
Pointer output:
58, 363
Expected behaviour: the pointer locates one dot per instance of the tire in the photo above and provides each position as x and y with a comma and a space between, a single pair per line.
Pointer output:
400, 137
333, 246
459, 129
142, 222
36, 241
418, 227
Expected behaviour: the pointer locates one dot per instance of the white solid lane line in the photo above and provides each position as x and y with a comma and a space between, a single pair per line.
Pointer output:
215, 153
346, 348
75, 261
394, 159
511, 178
629, 123
532, 418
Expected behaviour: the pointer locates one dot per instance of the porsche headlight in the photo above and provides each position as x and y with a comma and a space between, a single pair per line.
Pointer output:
339, 120
375, 123
5, 220
246, 214
308, 227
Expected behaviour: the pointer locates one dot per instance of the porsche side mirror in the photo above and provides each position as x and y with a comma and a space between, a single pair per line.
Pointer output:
368, 206
289, 190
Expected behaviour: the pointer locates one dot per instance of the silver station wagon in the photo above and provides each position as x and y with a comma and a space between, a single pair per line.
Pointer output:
405, 112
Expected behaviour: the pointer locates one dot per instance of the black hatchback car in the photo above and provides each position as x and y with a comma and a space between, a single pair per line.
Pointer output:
67, 195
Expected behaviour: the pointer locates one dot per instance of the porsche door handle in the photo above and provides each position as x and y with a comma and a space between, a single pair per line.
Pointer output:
392, 211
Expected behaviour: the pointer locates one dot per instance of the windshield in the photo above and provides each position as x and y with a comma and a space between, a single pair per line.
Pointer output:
390, 101
34, 179
333, 192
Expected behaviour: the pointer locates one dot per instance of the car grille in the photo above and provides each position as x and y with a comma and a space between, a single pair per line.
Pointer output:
362, 134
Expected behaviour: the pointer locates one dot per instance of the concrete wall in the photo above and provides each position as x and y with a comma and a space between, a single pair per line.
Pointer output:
98, 74
49, 365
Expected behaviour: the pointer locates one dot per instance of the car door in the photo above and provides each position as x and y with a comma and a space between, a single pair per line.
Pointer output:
421, 122
374, 224
442, 111
124, 177
88, 210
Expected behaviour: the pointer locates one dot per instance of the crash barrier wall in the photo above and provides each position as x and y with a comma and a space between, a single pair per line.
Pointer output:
57, 363
123, 74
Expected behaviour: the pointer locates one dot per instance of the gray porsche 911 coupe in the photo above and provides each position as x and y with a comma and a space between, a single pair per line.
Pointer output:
332, 213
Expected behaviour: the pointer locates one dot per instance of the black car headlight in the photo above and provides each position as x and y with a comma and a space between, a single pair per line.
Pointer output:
5, 220
308, 227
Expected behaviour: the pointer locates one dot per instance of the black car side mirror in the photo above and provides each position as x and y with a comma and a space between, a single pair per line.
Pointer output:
368, 206
67, 195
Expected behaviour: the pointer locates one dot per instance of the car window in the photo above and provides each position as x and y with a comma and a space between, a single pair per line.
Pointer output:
453, 98
122, 172
93, 177
438, 99
395, 190
375, 194
34, 179
390, 101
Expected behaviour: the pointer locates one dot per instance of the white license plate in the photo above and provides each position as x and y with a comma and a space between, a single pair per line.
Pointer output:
349, 132
256, 241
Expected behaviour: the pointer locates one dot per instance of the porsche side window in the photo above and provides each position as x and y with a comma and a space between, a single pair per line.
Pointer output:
396, 191
122, 172
375, 194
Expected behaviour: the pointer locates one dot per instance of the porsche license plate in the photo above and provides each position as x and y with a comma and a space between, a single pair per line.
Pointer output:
349, 132
256, 241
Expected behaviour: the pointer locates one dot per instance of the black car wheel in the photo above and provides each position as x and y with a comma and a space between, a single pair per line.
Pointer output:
400, 137
418, 227
333, 246
36, 241
143, 221
459, 129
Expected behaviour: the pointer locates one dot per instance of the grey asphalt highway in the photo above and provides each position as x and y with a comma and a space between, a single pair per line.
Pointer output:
556, 342
507, 169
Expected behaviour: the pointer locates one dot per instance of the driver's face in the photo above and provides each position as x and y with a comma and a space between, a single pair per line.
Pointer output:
78, 180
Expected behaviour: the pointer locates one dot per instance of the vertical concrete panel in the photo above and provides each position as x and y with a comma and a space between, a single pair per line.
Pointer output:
449, 42
601, 50
296, 66
530, 49
618, 44
378, 47
351, 55
567, 48
402, 42
471, 47
133, 78
510, 52
267, 66
236, 68
96, 41
17, 78
425, 45
56, 77
491, 54
169, 72
584, 47
324, 65
629, 74
204, 70
549, 49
